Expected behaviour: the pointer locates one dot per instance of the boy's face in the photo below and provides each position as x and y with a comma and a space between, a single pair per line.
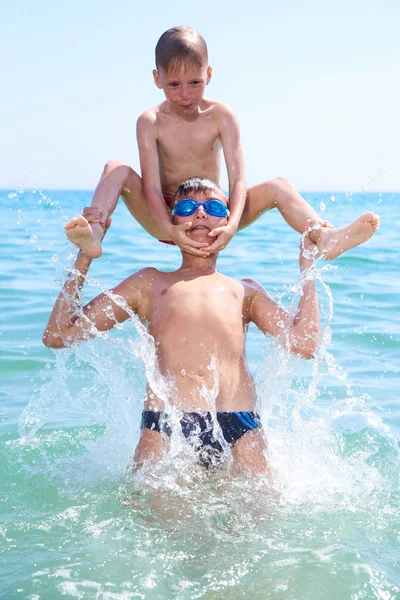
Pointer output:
202, 222
183, 88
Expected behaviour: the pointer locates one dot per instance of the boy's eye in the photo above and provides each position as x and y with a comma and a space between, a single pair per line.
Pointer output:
196, 82
173, 84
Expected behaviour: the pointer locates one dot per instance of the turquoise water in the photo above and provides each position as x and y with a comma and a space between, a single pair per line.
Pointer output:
75, 525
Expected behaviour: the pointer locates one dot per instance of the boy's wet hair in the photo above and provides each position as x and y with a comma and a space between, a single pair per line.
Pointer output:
195, 185
179, 47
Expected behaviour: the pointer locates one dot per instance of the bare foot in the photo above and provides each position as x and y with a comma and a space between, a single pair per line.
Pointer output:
332, 242
80, 233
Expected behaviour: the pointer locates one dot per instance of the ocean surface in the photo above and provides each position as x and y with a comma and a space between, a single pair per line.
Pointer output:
75, 524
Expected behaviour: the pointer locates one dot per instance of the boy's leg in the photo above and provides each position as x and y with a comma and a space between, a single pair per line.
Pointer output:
281, 194
249, 453
331, 242
118, 179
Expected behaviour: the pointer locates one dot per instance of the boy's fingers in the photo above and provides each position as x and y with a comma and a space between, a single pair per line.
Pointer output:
195, 252
215, 232
200, 250
194, 244
215, 246
94, 215
188, 243
184, 226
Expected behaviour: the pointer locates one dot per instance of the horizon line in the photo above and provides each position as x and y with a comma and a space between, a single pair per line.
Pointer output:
304, 191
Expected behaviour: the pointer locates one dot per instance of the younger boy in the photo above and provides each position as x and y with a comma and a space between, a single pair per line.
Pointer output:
184, 137
198, 319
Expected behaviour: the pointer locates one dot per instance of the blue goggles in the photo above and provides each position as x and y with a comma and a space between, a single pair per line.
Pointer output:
213, 207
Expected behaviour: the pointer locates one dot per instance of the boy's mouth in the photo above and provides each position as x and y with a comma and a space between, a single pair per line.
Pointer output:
198, 227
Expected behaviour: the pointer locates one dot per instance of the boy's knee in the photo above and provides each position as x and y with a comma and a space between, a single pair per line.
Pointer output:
117, 166
278, 186
281, 183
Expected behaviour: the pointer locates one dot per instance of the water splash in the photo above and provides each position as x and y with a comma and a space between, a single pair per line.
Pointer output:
102, 382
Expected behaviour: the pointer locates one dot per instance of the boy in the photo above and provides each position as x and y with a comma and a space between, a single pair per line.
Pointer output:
197, 318
184, 137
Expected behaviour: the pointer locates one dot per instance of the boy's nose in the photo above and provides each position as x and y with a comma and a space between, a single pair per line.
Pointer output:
185, 92
200, 213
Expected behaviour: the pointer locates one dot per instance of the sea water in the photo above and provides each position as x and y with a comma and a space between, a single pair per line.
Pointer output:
76, 524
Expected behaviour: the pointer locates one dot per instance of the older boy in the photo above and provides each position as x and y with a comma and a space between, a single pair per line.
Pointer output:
198, 318
184, 137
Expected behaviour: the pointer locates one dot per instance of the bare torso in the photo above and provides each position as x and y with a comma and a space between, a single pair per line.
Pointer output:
187, 147
198, 324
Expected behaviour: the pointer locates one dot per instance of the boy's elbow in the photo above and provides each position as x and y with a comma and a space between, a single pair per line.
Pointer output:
52, 341
307, 349
307, 353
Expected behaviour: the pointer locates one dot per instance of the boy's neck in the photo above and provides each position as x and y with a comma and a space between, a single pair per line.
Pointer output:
198, 264
182, 115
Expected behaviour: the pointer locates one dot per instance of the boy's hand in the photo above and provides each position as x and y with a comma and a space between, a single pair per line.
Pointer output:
223, 236
308, 252
177, 233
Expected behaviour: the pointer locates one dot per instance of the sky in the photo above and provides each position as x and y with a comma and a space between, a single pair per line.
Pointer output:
315, 85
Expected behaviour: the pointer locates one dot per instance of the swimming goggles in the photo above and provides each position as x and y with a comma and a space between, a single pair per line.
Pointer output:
213, 207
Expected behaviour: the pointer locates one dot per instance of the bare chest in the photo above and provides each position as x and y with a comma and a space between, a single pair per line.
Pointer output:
181, 141
199, 307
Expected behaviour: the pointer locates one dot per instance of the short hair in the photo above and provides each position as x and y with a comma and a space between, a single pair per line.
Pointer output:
195, 185
181, 46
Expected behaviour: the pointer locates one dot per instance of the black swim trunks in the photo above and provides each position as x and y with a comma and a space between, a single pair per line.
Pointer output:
199, 429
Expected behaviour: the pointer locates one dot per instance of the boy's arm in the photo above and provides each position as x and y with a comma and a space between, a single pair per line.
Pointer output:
299, 332
233, 154
69, 321
150, 166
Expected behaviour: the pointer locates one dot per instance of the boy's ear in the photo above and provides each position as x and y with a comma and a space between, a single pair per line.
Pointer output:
209, 74
157, 80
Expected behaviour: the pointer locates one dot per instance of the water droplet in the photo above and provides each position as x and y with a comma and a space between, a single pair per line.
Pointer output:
33, 239
183, 372
322, 206
55, 258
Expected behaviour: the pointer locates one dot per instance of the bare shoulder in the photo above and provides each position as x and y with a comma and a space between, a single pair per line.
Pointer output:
150, 115
148, 120
218, 107
147, 276
223, 113
252, 288
140, 281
